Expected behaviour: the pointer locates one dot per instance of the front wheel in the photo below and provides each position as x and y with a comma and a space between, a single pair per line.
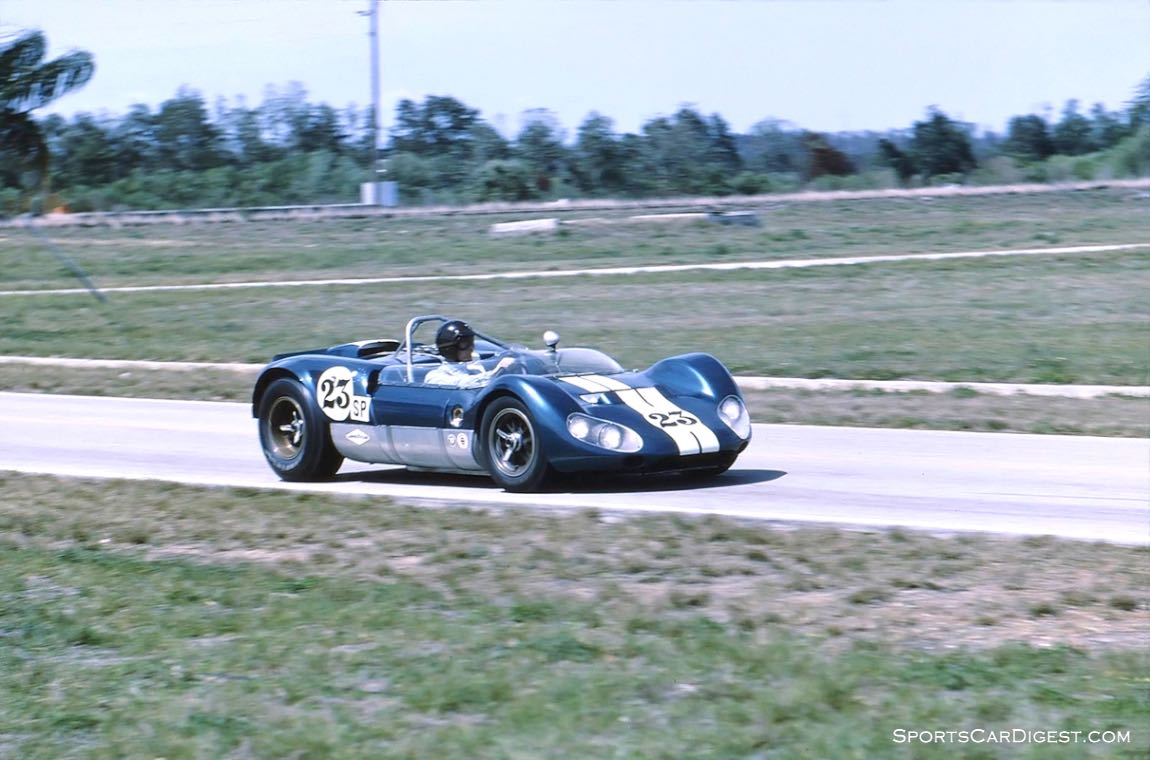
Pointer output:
510, 447
295, 437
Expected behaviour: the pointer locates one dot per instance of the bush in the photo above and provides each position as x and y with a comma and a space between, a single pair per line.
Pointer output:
883, 179
1131, 157
829, 183
1036, 172
1071, 168
751, 183
318, 177
952, 178
411, 171
784, 182
84, 199
1000, 170
9, 201
503, 180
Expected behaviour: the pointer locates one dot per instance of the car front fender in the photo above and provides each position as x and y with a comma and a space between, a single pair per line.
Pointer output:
548, 403
695, 374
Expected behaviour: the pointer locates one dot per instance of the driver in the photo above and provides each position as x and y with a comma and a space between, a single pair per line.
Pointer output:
456, 342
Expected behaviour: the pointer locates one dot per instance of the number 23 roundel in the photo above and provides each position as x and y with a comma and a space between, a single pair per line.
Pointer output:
335, 393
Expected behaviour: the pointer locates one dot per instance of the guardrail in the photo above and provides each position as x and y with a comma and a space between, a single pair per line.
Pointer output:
359, 211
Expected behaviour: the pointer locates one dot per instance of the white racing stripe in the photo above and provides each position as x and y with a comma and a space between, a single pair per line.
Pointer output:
593, 384
685, 429
689, 434
609, 383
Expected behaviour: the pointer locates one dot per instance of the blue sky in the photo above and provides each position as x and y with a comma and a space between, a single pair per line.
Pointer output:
821, 64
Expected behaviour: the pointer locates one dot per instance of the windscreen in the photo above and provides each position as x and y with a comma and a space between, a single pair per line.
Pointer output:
579, 361
568, 361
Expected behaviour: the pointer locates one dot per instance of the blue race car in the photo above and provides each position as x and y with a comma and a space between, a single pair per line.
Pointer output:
469, 403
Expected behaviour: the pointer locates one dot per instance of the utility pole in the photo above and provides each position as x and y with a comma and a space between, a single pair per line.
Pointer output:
375, 167
372, 190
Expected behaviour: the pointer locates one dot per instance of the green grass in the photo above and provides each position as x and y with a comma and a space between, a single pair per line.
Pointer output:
198, 385
1108, 416
157, 620
169, 254
142, 620
1058, 320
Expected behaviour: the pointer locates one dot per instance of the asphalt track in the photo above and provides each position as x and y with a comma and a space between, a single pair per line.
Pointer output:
1070, 486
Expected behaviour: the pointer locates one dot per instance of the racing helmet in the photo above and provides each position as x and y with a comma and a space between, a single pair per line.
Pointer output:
455, 341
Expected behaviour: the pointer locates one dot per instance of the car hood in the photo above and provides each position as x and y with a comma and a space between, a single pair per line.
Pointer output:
690, 431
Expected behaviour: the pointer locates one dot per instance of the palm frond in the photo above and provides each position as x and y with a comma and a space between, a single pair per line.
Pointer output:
27, 82
25, 50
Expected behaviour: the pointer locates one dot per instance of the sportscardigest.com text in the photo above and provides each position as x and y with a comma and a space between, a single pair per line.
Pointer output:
1008, 736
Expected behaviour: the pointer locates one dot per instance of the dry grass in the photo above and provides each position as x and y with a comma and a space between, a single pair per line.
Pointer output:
302, 249
1127, 417
894, 586
150, 620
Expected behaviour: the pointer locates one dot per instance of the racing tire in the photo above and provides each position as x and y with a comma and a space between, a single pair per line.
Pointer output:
510, 449
295, 436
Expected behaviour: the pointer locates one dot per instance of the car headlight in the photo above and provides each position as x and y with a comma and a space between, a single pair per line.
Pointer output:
610, 437
733, 412
579, 427
603, 433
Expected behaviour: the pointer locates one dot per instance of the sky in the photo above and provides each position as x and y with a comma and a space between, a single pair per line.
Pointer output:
827, 65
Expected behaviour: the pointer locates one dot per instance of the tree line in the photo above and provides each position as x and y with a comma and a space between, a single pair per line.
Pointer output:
288, 150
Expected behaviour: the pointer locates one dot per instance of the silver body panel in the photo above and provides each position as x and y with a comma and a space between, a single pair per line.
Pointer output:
422, 447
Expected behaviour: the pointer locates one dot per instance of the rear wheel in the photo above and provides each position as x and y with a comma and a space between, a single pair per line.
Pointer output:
511, 448
296, 438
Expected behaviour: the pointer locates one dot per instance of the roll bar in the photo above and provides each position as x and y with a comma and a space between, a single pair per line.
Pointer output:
409, 331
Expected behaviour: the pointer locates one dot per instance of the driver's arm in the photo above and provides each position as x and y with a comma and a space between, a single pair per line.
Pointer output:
487, 375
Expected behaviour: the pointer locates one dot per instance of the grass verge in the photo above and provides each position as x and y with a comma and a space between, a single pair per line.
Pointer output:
961, 409
172, 254
145, 620
1055, 320
1036, 320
